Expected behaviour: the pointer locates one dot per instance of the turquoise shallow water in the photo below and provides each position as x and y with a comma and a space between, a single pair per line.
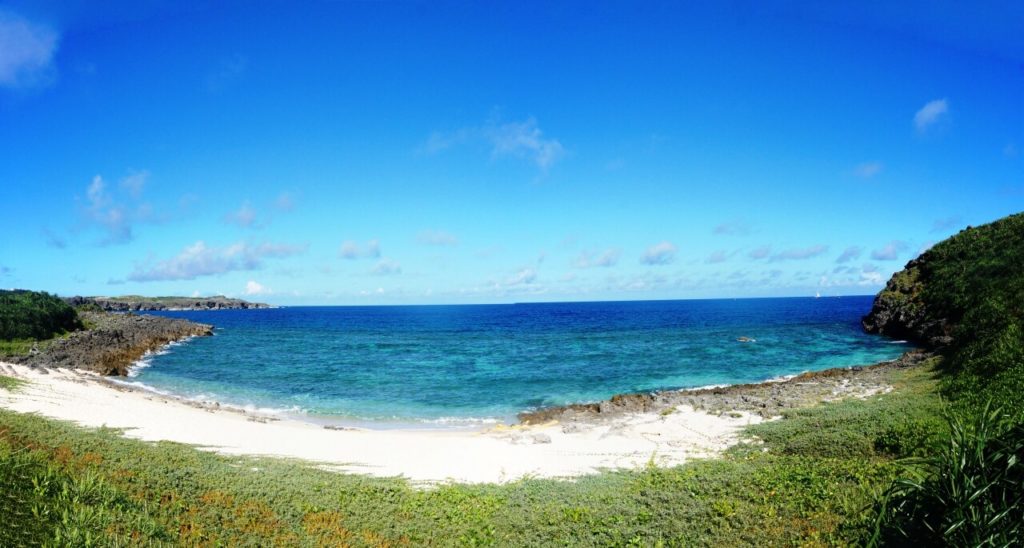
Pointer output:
464, 364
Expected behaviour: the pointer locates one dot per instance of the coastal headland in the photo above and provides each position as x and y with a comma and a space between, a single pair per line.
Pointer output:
136, 303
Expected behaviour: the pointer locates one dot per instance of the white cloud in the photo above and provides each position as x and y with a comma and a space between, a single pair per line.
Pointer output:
351, 250
26, 52
849, 254
386, 267
607, 258
930, 114
519, 139
890, 252
436, 237
252, 287
199, 260
525, 139
659, 254
800, 253
868, 170
244, 216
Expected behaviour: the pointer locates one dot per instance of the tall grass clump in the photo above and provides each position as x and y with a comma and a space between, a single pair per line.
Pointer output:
969, 493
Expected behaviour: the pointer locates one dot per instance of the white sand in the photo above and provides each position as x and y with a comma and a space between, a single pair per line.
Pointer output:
492, 455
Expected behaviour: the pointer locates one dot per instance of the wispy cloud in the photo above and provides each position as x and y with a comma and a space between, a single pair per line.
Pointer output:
930, 114
659, 254
199, 260
386, 267
351, 250
245, 216
868, 170
522, 277
849, 254
606, 258
116, 214
732, 228
890, 252
226, 73
436, 237
717, 256
946, 223
800, 253
26, 52
53, 240
517, 139
285, 201
761, 252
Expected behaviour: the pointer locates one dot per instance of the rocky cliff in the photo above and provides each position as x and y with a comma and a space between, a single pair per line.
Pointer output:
900, 311
964, 285
133, 303
112, 342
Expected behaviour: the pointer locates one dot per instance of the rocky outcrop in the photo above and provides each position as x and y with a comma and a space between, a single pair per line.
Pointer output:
767, 399
113, 342
137, 304
899, 310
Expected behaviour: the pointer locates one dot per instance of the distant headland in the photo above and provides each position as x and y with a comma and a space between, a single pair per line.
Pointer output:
131, 303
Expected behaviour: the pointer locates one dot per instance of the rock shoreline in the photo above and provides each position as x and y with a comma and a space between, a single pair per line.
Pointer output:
112, 343
766, 399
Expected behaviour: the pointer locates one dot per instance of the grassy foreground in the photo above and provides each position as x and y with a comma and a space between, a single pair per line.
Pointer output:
810, 479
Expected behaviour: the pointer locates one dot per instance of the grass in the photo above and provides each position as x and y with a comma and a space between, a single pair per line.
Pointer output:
69, 485
10, 384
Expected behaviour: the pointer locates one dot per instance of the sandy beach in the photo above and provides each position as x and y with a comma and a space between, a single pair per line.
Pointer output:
497, 454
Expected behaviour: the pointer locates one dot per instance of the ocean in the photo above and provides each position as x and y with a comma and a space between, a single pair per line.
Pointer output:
451, 366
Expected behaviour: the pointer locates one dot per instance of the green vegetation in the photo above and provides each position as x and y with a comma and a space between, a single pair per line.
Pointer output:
969, 491
99, 485
10, 384
34, 315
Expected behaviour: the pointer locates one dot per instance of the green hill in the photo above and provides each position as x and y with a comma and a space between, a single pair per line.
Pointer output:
965, 296
34, 315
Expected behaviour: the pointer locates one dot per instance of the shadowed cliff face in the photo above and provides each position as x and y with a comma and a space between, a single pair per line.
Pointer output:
900, 312
113, 342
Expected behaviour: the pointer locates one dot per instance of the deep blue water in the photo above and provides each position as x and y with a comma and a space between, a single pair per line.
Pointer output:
440, 364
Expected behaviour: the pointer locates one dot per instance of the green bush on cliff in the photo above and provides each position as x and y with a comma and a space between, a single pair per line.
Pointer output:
34, 315
969, 491
976, 280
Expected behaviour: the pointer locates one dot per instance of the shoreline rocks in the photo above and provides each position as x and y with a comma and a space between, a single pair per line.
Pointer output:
112, 343
767, 399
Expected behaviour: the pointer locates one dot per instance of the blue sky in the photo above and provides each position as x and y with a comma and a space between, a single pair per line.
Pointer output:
383, 153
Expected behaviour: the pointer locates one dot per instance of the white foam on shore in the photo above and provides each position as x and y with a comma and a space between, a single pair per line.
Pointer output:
209, 400
147, 359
